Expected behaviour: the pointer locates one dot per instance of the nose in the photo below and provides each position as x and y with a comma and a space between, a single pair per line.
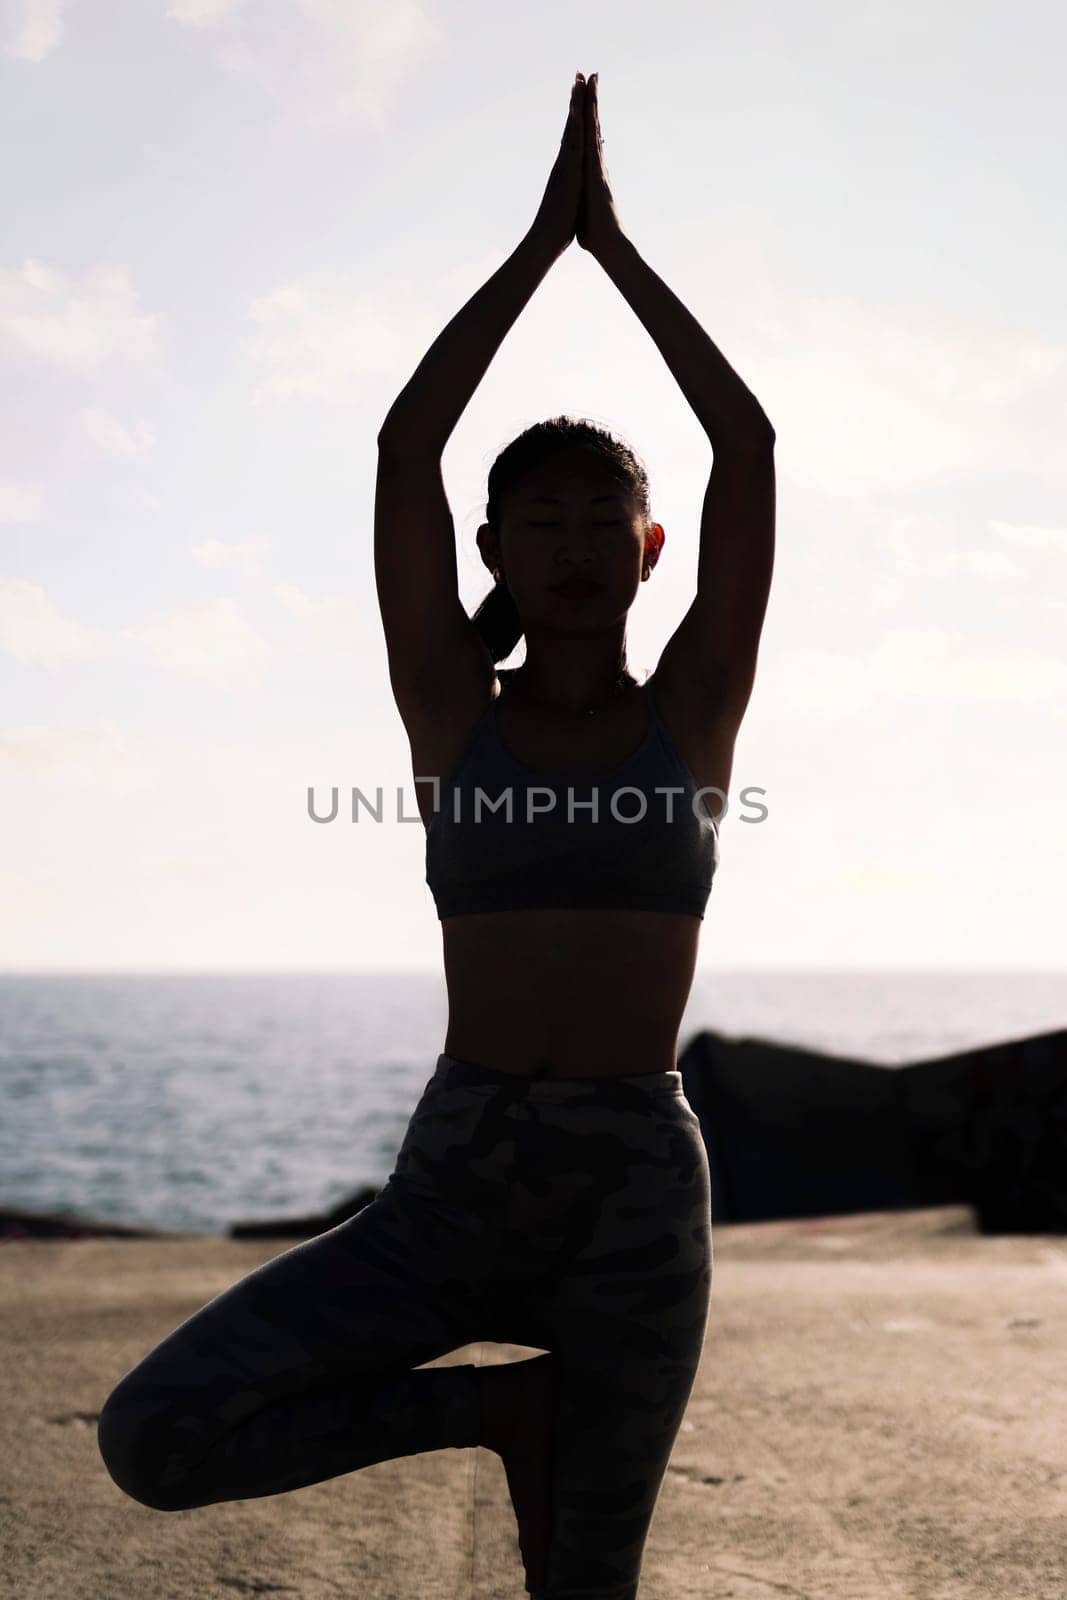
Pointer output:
577, 567
576, 546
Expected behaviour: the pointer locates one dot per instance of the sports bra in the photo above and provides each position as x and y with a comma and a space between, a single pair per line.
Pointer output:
505, 836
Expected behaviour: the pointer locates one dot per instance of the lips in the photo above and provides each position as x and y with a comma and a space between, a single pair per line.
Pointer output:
577, 586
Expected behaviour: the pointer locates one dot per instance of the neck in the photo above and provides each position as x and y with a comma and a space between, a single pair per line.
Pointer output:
566, 694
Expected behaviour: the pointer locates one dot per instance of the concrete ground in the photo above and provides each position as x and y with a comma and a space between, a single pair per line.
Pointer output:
880, 1412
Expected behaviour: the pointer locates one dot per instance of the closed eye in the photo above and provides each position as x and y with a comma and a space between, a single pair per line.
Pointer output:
613, 524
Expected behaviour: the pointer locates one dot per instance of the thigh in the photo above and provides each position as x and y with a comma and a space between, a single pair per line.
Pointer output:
380, 1292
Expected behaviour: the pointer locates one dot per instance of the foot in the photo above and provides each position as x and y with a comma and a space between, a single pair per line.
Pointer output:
518, 1411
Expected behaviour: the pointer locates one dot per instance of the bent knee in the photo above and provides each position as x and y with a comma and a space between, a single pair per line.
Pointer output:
140, 1446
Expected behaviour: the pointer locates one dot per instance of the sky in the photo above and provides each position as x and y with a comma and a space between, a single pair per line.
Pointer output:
232, 230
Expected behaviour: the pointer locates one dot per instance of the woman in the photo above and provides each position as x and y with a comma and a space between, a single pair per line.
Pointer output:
552, 1188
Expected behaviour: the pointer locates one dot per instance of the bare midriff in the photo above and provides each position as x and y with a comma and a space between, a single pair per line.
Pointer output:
564, 993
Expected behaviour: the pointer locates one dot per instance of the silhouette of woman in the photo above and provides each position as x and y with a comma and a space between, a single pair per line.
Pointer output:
552, 1188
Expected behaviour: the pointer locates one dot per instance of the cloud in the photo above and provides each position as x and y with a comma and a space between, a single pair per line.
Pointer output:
20, 502
35, 632
331, 66
337, 624
94, 755
143, 499
321, 343
881, 877
243, 557
914, 663
868, 398
919, 544
317, 345
1032, 536
115, 438
71, 325
1042, 550
202, 13
991, 564
213, 642
34, 30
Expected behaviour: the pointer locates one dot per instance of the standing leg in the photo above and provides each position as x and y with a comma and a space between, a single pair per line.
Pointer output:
619, 1263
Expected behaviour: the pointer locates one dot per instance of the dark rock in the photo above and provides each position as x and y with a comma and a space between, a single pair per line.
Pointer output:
18, 1224
305, 1227
796, 1133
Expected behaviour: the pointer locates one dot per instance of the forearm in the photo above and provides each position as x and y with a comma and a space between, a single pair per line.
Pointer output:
727, 410
427, 409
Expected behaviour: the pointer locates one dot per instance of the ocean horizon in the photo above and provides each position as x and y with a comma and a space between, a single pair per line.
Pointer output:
189, 1101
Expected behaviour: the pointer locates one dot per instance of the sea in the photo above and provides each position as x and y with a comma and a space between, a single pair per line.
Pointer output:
191, 1101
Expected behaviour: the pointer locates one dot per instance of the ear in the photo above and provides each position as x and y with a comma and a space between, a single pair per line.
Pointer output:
488, 546
655, 539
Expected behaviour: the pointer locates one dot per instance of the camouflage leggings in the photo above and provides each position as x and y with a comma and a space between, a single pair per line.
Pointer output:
570, 1214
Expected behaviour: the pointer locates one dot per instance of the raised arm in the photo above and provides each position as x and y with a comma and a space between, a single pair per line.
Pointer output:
716, 644
429, 636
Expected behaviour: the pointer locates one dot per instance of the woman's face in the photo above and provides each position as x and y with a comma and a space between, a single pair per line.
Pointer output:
571, 518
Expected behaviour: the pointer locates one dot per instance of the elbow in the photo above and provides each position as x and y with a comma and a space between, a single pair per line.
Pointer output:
761, 426
388, 440
754, 436
763, 429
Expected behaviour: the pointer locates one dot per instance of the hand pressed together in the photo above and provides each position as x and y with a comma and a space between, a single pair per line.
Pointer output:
598, 223
578, 202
